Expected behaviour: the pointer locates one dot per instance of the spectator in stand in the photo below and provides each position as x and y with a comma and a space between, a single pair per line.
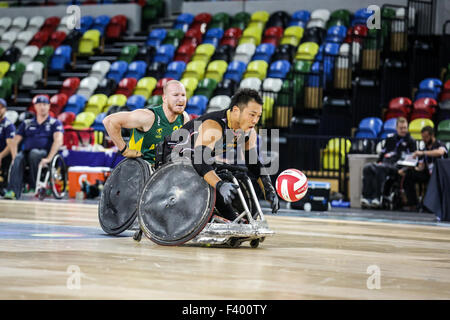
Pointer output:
7, 132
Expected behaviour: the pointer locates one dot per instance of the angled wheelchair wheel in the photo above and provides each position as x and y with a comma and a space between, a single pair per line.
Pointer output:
58, 177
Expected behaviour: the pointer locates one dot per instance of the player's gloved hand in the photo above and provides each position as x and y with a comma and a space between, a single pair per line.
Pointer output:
128, 153
270, 194
227, 190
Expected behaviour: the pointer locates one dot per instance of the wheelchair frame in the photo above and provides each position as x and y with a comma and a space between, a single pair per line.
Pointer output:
51, 175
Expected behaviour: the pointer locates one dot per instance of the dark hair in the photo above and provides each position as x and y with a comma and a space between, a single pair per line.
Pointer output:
243, 96
428, 129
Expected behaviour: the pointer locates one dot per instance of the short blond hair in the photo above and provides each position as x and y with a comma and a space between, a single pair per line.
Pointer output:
168, 83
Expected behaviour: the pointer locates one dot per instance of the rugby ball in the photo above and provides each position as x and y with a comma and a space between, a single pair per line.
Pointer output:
291, 185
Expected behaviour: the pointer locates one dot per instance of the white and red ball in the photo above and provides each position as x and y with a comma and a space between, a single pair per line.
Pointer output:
291, 185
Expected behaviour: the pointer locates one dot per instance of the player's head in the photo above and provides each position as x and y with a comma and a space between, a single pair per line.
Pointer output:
3, 106
174, 96
246, 104
402, 126
42, 106
427, 133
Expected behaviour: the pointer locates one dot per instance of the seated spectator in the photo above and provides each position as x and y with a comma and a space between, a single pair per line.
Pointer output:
374, 174
42, 136
7, 132
433, 150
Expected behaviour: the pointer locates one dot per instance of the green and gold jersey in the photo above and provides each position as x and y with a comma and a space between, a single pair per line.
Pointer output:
146, 142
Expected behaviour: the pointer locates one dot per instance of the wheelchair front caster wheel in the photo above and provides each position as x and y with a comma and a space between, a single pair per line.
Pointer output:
42, 194
254, 243
235, 243
137, 236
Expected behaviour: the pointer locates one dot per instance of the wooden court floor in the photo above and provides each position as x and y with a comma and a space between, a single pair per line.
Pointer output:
52, 250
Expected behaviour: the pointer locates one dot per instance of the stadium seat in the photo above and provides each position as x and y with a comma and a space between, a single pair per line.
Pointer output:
292, 35
185, 53
39, 39
251, 83
4, 67
256, 69
423, 108
11, 55
50, 24
216, 69
264, 52
6, 86
251, 35
192, 37
206, 87
278, 19
128, 53
284, 52
301, 15
217, 103
44, 55
7, 39
415, 127
136, 69
389, 127
126, 86
5, 23
307, 51
195, 69
83, 120
87, 87
201, 20
213, 36
156, 70
314, 34
106, 86
86, 23
155, 100
70, 86
369, 128
96, 103
279, 69
203, 52
156, 37
322, 14
23, 38
190, 85
117, 70
183, 21
100, 23
174, 37
226, 87
15, 72
89, 42
235, 70
75, 104
116, 27
57, 103
136, 102
223, 52
244, 52
164, 53
160, 86
56, 39
443, 130
98, 122
231, 37
100, 69
197, 105
116, 100
240, 20
145, 87
273, 35
61, 58
398, 107
67, 118
220, 20
19, 24
335, 152
336, 34
33, 73
175, 70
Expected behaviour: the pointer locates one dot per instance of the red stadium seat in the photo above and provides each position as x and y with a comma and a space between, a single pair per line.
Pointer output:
192, 36
426, 103
126, 86
401, 103
56, 39
57, 103
70, 86
231, 37
50, 24
160, 85
39, 39
201, 20
116, 27
273, 35
185, 53
67, 118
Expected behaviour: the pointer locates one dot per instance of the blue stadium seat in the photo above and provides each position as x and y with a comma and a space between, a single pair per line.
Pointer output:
100, 23
313, 79
156, 37
98, 122
297, 23
426, 93
431, 84
117, 70
279, 69
85, 23
336, 34
213, 36
301, 15
235, 70
136, 102
175, 70
183, 22
164, 53
136, 70
361, 16
75, 104
369, 127
264, 52
197, 105
61, 57
389, 126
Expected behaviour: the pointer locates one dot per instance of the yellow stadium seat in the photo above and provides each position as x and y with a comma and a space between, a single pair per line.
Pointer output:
257, 69
260, 16
256, 24
216, 69
251, 35
145, 87
96, 103
4, 67
294, 31
190, 84
415, 127
204, 52
116, 100
307, 51
335, 152
195, 69
267, 111
83, 120
89, 42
